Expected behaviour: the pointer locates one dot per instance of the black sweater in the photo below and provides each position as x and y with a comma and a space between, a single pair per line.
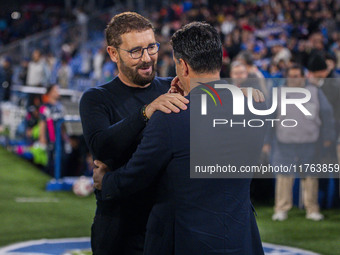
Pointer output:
112, 126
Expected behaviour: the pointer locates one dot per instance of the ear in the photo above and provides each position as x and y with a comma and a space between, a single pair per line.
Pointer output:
112, 51
185, 68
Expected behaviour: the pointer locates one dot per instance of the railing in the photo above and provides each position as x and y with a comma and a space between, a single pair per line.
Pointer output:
58, 183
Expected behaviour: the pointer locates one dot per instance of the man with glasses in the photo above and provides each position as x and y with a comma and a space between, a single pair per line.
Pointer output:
113, 118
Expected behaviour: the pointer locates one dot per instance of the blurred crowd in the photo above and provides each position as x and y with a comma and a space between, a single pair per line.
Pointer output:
273, 33
42, 132
266, 35
21, 19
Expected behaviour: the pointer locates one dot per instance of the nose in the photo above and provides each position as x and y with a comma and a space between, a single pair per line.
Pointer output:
145, 56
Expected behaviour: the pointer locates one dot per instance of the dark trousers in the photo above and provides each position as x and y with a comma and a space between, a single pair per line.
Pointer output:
109, 237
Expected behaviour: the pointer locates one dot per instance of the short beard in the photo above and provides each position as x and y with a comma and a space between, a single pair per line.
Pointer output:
134, 76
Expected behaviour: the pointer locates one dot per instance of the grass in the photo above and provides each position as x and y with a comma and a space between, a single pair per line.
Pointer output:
322, 237
66, 215
69, 216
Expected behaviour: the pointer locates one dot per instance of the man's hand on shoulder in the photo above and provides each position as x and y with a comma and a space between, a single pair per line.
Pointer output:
98, 173
167, 103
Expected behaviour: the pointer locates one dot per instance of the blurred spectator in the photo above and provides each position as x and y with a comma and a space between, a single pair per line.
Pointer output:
7, 78
98, 61
331, 61
299, 146
275, 74
281, 54
167, 68
51, 63
86, 63
274, 71
82, 20
64, 74
238, 72
335, 48
320, 75
232, 43
51, 112
23, 71
228, 24
317, 42
37, 71
246, 59
109, 70
32, 120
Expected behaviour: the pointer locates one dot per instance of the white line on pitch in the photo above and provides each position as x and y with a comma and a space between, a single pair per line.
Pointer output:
36, 200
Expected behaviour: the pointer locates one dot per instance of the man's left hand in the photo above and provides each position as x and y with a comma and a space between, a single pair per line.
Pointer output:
176, 86
98, 173
257, 95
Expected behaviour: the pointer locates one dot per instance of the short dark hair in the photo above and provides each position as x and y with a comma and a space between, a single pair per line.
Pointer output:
199, 44
124, 23
295, 66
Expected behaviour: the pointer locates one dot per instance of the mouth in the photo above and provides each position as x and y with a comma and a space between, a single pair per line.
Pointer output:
147, 70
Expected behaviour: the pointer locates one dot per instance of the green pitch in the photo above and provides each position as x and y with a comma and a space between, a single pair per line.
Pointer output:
322, 237
28, 212
81, 253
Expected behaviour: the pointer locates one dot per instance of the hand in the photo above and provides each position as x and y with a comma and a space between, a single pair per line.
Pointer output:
176, 86
98, 173
257, 95
167, 103
266, 148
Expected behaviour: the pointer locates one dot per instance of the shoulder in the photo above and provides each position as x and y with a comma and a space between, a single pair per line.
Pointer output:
91, 93
96, 93
158, 119
166, 121
90, 96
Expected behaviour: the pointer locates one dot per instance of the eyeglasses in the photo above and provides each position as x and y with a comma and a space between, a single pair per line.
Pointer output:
136, 53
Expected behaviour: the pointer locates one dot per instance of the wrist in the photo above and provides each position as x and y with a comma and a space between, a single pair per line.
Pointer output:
149, 110
143, 113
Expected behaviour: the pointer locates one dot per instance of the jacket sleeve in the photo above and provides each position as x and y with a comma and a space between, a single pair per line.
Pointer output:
105, 140
150, 159
326, 115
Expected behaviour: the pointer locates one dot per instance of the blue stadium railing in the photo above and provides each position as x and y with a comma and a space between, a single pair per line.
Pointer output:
58, 183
